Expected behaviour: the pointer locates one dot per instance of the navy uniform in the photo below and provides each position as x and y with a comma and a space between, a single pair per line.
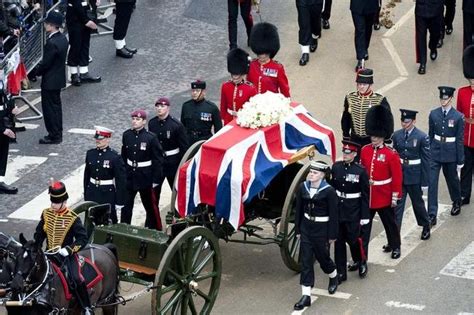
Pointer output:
123, 13
446, 132
316, 223
6, 125
200, 116
104, 175
447, 20
356, 106
351, 182
143, 157
174, 141
413, 146
62, 228
326, 14
309, 22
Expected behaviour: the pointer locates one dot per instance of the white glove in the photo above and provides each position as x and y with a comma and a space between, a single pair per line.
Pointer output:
459, 167
154, 185
118, 208
364, 221
63, 252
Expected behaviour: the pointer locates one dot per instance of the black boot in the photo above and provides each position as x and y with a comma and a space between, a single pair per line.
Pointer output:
465, 201
354, 266
363, 269
332, 287
75, 80
326, 24
303, 302
124, 53
456, 209
87, 78
131, 50
314, 45
304, 59
7, 189
84, 298
387, 248
425, 234
422, 68
341, 278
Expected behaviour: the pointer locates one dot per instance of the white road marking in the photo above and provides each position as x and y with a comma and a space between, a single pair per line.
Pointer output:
30, 126
82, 131
461, 266
390, 270
410, 236
391, 85
397, 304
3, 220
313, 299
13, 150
395, 57
19, 165
337, 295
400, 22
53, 154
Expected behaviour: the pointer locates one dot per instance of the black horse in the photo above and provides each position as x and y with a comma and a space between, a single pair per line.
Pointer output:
9, 248
37, 281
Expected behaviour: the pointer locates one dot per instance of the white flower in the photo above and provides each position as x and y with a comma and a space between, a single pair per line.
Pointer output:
264, 110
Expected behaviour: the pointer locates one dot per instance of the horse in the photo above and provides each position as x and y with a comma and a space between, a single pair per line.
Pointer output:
9, 248
36, 280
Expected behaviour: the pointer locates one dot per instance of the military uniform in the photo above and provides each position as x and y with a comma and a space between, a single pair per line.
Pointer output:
363, 15
6, 122
269, 77
352, 188
198, 118
309, 22
428, 16
448, 18
233, 97
104, 178
245, 13
468, 22
143, 156
174, 141
413, 146
446, 132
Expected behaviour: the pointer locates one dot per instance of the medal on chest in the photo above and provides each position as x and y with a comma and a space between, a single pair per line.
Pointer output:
241, 93
353, 178
143, 146
106, 164
270, 72
451, 123
206, 116
381, 157
415, 141
168, 134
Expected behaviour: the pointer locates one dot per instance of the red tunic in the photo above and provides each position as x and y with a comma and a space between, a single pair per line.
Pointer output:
233, 97
465, 106
269, 77
385, 175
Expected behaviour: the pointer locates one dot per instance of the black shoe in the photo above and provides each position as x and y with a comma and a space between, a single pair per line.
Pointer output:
75, 79
396, 253
359, 66
303, 302
376, 26
304, 59
433, 220
341, 278
422, 69
449, 30
7, 189
387, 248
50, 141
332, 287
456, 209
87, 78
326, 24
440, 43
465, 201
131, 50
433, 54
314, 45
363, 269
353, 267
124, 53
425, 234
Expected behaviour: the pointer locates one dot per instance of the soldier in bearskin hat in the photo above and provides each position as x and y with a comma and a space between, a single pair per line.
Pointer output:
464, 106
236, 91
62, 228
385, 177
356, 105
265, 73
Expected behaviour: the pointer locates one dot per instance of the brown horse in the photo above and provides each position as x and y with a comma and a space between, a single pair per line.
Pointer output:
38, 282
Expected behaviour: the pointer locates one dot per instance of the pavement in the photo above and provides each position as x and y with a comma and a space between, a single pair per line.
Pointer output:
180, 41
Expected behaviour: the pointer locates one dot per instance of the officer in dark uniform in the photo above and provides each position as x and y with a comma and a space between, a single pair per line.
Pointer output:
123, 13
7, 132
468, 22
316, 224
413, 146
199, 115
80, 24
356, 105
351, 182
446, 132
363, 15
428, 16
245, 13
143, 156
309, 22
173, 139
326, 14
104, 174
447, 20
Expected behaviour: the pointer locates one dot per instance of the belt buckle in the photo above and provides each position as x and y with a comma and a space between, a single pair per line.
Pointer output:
406, 161
134, 164
97, 182
371, 181
343, 194
443, 139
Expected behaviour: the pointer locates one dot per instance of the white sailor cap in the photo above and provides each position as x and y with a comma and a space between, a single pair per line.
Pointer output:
102, 132
319, 166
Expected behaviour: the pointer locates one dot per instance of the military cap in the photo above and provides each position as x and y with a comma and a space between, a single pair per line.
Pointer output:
102, 132
162, 101
319, 166
54, 18
57, 192
198, 84
349, 146
446, 92
408, 114
365, 76
140, 113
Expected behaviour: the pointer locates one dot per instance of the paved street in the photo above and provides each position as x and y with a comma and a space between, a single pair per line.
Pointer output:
183, 40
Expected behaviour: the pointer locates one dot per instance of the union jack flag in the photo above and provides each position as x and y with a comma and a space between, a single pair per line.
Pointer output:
237, 163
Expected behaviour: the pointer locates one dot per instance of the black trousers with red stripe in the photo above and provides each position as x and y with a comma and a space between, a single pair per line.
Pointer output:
423, 25
149, 201
348, 233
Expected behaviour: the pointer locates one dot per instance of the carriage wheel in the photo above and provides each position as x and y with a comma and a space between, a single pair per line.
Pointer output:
189, 274
290, 245
190, 153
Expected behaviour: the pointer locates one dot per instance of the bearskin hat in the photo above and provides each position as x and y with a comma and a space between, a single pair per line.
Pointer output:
238, 61
379, 122
264, 39
468, 62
